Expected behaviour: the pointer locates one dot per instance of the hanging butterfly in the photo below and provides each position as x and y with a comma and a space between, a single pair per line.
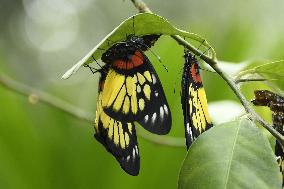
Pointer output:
193, 100
129, 90
276, 105
118, 137
133, 91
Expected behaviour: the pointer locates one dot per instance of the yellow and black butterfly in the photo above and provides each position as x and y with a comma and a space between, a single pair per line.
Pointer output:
276, 104
129, 91
193, 100
133, 91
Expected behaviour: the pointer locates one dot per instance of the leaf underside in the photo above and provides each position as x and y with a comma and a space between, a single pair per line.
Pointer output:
230, 156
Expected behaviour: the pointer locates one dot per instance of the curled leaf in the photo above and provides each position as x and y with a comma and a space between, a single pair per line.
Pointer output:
155, 25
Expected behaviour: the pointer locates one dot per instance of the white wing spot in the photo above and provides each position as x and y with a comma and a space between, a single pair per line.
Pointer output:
154, 79
136, 149
166, 109
189, 131
162, 112
187, 128
154, 117
138, 89
128, 158
133, 153
156, 93
146, 118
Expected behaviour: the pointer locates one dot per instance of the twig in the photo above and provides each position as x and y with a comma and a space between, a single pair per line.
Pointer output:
249, 79
45, 98
246, 104
142, 7
39, 96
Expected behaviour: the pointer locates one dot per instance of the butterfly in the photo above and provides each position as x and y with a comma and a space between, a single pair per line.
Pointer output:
193, 100
276, 104
133, 91
129, 91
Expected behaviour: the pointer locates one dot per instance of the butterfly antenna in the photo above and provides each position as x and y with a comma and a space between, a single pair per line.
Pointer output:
205, 51
176, 80
159, 59
157, 56
204, 69
133, 25
199, 48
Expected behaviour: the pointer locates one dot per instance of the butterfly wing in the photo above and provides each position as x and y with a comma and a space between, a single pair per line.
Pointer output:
193, 100
134, 93
119, 138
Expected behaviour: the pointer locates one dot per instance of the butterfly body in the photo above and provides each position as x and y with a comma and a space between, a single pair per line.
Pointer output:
193, 100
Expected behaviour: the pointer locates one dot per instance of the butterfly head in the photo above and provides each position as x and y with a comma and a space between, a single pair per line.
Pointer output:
192, 67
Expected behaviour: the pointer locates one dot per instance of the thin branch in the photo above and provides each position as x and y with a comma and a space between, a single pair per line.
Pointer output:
246, 104
35, 96
249, 80
45, 98
142, 7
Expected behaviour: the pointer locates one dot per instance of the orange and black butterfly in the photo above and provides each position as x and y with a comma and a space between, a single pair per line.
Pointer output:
276, 104
129, 91
193, 100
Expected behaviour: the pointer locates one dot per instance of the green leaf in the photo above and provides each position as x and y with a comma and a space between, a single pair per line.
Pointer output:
229, 156
273, 72
155, 25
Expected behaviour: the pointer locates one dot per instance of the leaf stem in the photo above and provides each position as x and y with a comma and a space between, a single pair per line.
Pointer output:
142, 7
40, 96
249, 80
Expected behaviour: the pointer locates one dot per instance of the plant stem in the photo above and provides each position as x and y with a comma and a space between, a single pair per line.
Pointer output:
142, 7
246, 104
249, 79
39, 96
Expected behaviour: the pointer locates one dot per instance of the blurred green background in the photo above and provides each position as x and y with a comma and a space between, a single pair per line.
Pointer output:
42, 147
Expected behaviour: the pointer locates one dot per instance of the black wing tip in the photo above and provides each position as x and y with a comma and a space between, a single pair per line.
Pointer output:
160, 128
130, 169
188, 142
191, 139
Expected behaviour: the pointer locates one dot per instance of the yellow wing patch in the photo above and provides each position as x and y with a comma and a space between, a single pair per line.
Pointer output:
199, 109
126, 97
115, 130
